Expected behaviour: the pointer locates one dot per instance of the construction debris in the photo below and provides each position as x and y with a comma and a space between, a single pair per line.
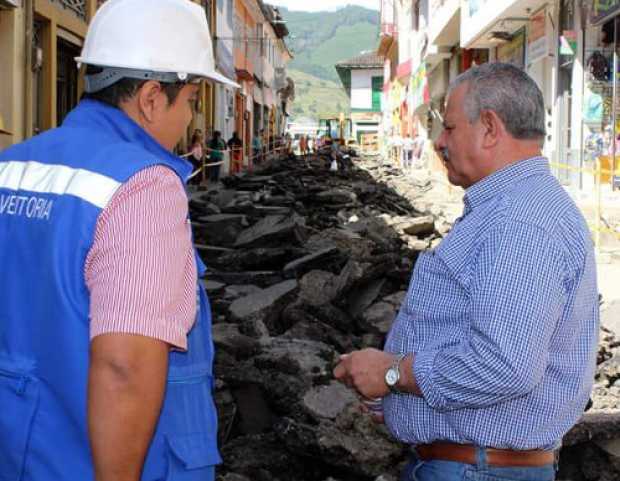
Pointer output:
305, 264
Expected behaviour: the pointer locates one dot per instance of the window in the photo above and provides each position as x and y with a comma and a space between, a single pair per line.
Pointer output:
66, 80
230, 9
260, 39
377, 91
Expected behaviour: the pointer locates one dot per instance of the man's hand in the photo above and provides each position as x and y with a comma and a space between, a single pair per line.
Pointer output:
365, 371
126, 385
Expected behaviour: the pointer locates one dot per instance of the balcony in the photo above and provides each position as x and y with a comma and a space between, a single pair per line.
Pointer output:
78, 7
445, 23
244, 66
480, 18
244, 49
389, 26
389, 29
388, 35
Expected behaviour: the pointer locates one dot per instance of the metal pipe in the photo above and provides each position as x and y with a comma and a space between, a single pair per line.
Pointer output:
29, 44
614, 101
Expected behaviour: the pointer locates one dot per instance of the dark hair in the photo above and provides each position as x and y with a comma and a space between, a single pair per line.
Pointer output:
126, 88
195, 138
509, 92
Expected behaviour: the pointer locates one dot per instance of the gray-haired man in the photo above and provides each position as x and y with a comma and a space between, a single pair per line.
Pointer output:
491, 358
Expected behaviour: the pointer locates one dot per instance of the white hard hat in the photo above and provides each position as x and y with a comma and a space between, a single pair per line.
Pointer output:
165, 40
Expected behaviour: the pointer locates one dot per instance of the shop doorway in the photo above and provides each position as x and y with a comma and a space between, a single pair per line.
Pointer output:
566, 155
66, 80
601, 103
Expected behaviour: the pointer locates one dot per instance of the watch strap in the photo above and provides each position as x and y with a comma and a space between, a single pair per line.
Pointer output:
396, 367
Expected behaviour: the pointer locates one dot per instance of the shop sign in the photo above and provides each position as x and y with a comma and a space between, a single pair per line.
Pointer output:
418, 87
514, 51
603, 8
538, 45
568, 43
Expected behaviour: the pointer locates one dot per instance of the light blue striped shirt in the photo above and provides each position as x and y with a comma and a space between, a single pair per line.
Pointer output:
502, 318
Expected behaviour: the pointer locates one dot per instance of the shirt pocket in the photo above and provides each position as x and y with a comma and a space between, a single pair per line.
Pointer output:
19, 399
192, 457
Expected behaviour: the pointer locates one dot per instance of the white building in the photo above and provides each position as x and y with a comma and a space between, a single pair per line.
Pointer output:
224, 95
362, 78
569, 47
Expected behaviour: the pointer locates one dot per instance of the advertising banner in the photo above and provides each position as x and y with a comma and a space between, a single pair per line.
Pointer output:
418, 88
538, 45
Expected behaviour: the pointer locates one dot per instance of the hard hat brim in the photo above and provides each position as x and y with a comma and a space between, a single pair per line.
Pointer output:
218, 77
213, 75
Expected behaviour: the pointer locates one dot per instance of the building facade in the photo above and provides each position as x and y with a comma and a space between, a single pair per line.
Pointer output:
260, 56
39, 40
362, 79
569, 47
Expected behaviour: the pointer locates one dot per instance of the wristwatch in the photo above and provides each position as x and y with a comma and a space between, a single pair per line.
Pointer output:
392, 375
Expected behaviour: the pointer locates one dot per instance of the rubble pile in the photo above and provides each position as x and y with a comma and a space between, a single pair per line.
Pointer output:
305, 264
606, 393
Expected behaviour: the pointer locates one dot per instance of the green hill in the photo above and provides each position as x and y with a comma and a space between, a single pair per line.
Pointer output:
318, 41
317, 98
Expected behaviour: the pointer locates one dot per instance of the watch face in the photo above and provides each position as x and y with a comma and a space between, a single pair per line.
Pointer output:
391, 377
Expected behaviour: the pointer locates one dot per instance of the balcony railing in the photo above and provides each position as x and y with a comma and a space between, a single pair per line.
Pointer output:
76, 6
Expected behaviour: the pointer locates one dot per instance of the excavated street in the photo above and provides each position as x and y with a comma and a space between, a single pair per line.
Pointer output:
305, 264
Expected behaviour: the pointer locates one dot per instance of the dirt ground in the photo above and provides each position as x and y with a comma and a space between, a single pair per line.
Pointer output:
438, 197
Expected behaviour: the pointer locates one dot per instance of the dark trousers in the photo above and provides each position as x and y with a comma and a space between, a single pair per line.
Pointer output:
214, 173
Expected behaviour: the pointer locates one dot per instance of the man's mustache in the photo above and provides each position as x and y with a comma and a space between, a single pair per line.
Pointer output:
445, 155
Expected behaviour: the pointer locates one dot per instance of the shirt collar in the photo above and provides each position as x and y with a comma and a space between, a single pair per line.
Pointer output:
502, 180
115, 122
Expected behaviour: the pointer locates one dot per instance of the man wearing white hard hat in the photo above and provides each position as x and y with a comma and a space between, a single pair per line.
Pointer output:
105, 334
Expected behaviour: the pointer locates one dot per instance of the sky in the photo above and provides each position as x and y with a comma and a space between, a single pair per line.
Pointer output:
321, 5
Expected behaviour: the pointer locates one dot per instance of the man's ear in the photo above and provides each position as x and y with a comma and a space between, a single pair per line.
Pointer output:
151, 98
493, 127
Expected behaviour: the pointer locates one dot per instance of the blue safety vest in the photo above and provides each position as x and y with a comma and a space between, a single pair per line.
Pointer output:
52, 190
